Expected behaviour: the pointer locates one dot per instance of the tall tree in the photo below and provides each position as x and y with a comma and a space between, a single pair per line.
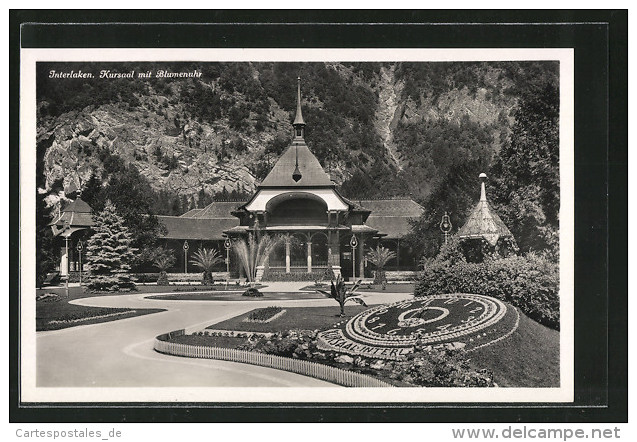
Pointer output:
133, 196
526, 173
109, 252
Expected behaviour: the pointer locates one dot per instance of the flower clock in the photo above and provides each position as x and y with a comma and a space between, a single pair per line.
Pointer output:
390, 331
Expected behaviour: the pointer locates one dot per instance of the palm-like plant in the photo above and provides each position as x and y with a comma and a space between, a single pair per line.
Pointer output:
340, 293
379, 257
254, 252
206, 260
163, 261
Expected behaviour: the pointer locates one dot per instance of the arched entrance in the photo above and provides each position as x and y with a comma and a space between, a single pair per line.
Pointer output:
296, 209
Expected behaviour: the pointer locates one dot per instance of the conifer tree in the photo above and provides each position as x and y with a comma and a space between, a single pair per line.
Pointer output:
109, 252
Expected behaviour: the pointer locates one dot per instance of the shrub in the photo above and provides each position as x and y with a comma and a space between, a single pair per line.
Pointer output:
529, 282
440, 368
253, 293
145, 277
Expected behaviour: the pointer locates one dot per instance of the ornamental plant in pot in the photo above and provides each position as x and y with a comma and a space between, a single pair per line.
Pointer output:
379, 257
206, 260
164, 260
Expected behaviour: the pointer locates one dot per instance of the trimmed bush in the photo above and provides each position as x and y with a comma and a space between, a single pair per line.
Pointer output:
145, 277
253, 293
529, 282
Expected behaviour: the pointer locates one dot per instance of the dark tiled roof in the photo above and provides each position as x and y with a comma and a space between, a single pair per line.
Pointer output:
79, 206
218, 209
393, 227
398, 206
391, 216
197, 228
191, 213
312, 173
75, 214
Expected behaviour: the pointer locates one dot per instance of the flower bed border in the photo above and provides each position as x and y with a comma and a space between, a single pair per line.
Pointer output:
303, 367
270, 319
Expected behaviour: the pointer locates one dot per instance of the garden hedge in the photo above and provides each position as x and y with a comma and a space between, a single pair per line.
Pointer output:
530, 283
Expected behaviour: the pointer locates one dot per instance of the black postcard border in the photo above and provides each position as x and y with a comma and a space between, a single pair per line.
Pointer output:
600, 41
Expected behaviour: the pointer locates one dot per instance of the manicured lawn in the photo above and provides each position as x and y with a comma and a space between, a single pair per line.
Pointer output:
237, 296
306, 318
56, 313
530, 357
210, 341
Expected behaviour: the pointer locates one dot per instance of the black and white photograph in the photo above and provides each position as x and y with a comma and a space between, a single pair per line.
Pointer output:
412, 217
323, 225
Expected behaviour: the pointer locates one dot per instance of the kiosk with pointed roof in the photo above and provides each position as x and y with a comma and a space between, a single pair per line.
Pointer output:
299, 200
72, 225
485, 228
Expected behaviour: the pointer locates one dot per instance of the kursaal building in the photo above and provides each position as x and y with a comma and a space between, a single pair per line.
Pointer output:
323, 230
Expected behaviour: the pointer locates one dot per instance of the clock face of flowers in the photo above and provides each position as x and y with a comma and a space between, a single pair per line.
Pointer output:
391, 330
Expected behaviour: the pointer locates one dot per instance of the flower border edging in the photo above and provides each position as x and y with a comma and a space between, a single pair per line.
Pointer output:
303, 367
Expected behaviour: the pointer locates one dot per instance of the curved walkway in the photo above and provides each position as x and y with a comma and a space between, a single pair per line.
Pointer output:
120, 353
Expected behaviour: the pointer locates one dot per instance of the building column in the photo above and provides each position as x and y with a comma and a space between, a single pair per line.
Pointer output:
398, 254
63, 262
334, 251
287, 254
309, 257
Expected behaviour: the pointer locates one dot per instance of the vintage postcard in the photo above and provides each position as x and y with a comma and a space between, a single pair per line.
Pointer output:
301, 225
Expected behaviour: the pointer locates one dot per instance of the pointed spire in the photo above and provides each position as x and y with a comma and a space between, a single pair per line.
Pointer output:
299, 124
483, 192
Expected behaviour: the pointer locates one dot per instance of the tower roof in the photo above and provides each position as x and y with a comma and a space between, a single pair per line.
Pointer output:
312, 173
75, 216
299, 115
484, 222
297, 167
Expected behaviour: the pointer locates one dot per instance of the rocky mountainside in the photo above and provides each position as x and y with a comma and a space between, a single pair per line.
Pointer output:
379, 129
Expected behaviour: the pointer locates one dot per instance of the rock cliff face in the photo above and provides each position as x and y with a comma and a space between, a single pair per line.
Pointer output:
206, 156
183, 154
389, 110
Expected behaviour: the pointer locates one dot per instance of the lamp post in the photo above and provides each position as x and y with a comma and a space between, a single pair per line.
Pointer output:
186, 247
79, 247
227, 244
445, 226
353, 242
67, 227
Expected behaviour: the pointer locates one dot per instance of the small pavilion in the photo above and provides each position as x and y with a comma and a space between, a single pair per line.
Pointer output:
71, 227
484, 231
298, 200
